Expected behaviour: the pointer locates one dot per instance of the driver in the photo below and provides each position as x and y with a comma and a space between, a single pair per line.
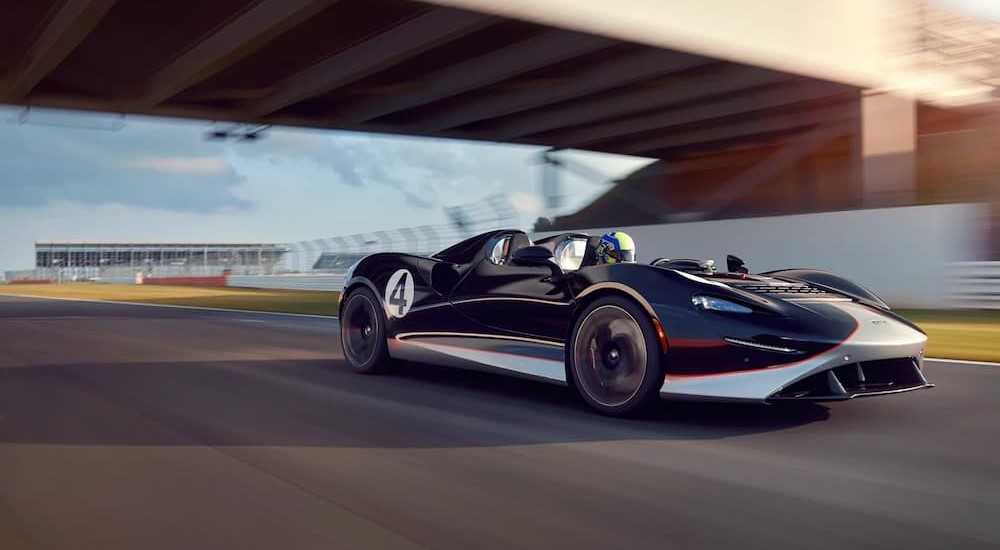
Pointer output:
616, 247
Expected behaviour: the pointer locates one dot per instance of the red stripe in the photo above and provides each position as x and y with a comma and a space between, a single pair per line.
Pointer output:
219, 280
779, 366
686, 343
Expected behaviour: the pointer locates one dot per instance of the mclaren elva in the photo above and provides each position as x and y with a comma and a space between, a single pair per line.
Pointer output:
623, 335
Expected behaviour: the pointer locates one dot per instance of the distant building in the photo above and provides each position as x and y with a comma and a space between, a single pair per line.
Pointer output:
81, 259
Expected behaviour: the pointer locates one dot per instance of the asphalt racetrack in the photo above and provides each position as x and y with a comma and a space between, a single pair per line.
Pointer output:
127, 426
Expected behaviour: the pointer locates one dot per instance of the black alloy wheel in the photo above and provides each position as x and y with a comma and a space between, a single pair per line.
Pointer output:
362, 333
615, 360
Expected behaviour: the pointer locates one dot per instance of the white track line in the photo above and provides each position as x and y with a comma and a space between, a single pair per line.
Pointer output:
170, 305
958, 361
963, 361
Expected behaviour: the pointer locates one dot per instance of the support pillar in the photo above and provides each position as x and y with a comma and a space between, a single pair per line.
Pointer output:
888, 148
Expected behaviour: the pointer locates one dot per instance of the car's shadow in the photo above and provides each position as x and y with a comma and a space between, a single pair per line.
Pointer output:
322, 403
674, 418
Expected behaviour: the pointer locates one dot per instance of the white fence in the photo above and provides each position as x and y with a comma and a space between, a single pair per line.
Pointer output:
975, 285
289, 282
970, 285
494, 212
913, 257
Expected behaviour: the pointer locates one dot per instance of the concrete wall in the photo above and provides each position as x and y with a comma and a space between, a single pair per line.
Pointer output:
908, 256
902, 254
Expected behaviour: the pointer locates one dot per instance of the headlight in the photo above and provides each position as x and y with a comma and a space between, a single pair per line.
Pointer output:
718, 304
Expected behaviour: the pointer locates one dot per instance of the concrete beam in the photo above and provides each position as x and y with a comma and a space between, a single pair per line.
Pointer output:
849, 41
395, 45
627, 103
63, 32
240, 37
762, 98
763, 125
601, 76
533, 53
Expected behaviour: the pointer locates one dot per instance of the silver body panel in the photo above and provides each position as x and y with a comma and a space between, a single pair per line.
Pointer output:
528, 358
876, 337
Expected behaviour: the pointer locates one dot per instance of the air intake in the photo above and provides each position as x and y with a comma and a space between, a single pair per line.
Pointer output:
857, 380
781, 289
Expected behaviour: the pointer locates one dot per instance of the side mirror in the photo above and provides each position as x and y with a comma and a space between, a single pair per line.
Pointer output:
532, 255
735, 265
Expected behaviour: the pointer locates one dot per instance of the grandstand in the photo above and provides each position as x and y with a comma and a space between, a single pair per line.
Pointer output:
122, 261
72, 260
336, 254
331, 261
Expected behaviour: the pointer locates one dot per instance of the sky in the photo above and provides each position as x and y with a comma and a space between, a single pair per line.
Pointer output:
70, 176
986, 9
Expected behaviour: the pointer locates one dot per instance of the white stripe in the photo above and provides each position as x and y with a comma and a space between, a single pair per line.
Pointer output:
511, 299
533, 366
964, 362
411, 335
116, 302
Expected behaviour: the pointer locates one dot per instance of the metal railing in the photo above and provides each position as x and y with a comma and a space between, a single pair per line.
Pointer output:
494, 212
326, 282
974, 285
971, 285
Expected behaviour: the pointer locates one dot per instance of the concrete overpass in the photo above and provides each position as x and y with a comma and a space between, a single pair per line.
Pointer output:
639, 77
526, 72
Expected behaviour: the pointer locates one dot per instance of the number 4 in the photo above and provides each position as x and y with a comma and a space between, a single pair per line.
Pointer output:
398, 295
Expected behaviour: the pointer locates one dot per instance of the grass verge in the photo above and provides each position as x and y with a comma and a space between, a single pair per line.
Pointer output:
953, 334
959, 334
283, 301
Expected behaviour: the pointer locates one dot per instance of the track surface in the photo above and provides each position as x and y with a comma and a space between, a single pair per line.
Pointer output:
139, 427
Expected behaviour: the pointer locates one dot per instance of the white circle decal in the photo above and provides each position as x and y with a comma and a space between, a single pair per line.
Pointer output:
399, 293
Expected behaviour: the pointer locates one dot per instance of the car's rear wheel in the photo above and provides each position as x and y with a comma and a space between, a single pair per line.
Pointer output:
614, 357
362, 333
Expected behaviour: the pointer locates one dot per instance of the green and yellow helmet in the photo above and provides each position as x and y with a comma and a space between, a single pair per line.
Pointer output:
616, 247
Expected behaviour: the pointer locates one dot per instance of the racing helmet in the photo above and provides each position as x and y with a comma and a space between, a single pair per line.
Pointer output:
616, 247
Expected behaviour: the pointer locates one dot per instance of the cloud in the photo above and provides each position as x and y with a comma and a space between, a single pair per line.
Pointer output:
147, 164
199, 166
426, 173
161, 180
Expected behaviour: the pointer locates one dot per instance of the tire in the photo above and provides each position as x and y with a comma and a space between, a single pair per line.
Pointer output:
362, 333
614, 358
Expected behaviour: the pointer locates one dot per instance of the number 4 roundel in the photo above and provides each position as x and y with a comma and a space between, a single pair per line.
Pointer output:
399, 293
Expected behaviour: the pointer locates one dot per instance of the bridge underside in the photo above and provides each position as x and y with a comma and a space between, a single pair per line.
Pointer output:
399, 66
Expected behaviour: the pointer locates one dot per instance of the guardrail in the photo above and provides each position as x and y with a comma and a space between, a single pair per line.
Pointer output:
289, 282
974, 285
971, 285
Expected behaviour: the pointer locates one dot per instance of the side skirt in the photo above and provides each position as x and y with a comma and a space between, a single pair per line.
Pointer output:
522, 357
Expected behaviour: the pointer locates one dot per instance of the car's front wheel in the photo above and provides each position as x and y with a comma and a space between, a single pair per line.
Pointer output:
362, 333
614, 357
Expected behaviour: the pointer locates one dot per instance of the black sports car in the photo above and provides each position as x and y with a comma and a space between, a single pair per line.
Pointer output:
624, 334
